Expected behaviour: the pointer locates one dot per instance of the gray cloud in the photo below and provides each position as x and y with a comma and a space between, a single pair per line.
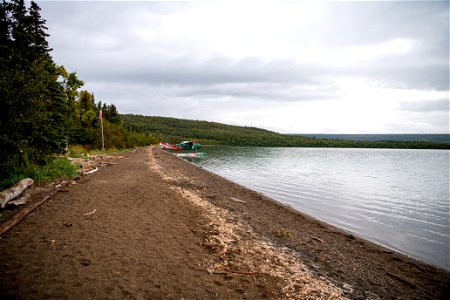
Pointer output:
185, 70
403, 74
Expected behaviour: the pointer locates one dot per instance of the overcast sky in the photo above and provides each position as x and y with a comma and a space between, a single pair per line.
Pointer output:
291, 67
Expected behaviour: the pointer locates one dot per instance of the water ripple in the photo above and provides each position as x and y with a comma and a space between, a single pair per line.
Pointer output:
399, 198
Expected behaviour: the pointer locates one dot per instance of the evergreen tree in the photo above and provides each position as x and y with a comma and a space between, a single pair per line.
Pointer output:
33, 101
21, 33
71, 84
114, 115
5, 26
38, 30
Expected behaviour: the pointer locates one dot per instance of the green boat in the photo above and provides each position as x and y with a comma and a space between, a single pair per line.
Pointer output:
185, 145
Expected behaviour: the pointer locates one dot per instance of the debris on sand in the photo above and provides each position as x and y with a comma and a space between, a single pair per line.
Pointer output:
91, 163
240, 251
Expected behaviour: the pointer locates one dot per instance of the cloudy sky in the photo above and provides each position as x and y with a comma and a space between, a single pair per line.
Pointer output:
291, 67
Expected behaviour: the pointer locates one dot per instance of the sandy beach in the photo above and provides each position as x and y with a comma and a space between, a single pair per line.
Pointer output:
153, 226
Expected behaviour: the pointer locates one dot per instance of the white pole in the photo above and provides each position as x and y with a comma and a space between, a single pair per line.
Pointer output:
101, 124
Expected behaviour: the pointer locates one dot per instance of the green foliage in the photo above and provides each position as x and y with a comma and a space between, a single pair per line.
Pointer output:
33, 106
175, 130
111, 114
58, 168
282, 233
76, 151
54, 168
116, 136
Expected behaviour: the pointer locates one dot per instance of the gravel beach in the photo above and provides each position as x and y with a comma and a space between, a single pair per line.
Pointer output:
153, 226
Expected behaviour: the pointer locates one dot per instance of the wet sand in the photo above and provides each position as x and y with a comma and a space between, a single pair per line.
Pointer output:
156, 227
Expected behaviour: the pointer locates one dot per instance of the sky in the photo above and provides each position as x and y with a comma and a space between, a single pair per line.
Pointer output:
287, 66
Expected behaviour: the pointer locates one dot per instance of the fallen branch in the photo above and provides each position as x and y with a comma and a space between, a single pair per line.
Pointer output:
237, 200
14, 191
222, 272
91, 171
21, 214
317, 239
90, 213
21, 200
243, 273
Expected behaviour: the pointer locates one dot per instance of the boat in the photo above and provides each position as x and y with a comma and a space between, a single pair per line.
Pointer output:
167, 146
185, 145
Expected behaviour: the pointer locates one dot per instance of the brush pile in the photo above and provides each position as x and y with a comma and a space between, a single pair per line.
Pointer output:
90, 163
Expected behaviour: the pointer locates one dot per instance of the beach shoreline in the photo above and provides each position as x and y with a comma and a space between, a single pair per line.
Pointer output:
165, 228
371, 264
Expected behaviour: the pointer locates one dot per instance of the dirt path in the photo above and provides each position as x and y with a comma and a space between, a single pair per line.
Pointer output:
156, 227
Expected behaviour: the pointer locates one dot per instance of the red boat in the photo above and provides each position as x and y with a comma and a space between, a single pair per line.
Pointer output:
167, 146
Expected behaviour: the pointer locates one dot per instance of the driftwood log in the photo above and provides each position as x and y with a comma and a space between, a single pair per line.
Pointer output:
20, 200
22, 213
14, 191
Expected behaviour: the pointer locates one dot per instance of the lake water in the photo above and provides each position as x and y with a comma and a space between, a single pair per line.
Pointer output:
397, 198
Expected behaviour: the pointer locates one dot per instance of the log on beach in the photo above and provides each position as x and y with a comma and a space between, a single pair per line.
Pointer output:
14, 191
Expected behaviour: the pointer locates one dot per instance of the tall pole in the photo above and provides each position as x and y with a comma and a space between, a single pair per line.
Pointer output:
101, 124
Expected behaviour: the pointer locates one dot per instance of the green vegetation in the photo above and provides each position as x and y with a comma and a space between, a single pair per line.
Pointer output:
42, 106
55, 168
282, 233
175, 130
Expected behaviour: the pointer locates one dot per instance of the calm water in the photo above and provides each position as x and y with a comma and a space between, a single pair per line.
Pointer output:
397, 198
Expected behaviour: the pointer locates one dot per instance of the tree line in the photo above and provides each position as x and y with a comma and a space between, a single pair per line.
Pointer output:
174, 130
42, 105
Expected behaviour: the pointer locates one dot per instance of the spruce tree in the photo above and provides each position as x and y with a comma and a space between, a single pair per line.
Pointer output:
5, 26
33, 103
38, 30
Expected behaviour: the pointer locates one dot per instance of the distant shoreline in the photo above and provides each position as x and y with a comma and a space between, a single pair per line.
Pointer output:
432, 137
212, 133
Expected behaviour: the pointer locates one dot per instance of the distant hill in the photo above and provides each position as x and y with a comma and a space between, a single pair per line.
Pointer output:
434, 138
175, 130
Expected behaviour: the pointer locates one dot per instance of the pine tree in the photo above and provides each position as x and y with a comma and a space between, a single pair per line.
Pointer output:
33, 103
5, 26
38, 30
114, 115
21, 34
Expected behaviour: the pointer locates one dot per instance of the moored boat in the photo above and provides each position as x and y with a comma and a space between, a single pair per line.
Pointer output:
185, 145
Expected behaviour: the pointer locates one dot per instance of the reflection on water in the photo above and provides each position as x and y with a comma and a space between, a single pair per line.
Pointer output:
398, 198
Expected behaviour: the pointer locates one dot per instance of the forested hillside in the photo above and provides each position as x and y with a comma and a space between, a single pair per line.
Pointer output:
175, 130
42, 107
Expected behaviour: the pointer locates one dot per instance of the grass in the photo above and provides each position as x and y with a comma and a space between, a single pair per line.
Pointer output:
111, 151
78, 151
54, 169
281, 233
57, 168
